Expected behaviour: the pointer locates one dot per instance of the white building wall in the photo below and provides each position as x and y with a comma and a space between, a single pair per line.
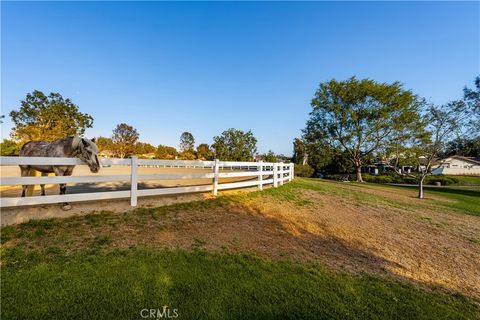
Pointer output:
457, 167
457, 171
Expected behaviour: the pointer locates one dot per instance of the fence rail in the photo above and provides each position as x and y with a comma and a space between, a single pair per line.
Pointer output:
261, 174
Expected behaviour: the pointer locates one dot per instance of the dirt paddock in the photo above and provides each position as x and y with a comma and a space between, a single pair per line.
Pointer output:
13, 215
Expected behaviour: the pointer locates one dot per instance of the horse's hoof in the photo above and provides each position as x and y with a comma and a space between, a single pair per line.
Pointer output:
67, 207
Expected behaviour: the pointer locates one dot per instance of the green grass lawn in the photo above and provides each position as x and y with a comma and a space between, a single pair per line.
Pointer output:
118, 285
468, 180
450, 180
464, 200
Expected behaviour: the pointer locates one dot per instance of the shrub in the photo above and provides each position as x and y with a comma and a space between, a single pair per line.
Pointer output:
303, 170
410, 180
332, 176
186, 155
339, 176
392, 177
444, 180
377, 179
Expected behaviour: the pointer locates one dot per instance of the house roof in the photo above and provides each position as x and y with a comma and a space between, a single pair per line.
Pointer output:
467, 159
423, 161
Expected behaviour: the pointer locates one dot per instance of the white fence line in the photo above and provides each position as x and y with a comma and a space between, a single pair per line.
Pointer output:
261, 174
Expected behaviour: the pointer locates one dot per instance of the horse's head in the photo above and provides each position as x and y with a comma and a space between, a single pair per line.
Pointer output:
87, 151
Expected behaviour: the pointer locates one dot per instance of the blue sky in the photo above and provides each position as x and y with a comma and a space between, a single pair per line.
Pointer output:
204, 67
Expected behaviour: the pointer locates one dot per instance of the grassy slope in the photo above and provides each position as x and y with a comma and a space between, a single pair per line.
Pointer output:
101, 282
468, 180
465, 194
463, 200
448, 199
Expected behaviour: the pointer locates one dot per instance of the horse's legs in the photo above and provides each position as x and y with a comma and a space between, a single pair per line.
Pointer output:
24, 170
59, 172
63, 186
42, 185
66, 172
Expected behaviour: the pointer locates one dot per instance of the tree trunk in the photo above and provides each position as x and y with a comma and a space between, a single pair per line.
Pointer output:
359, 173
305, 158
420, 186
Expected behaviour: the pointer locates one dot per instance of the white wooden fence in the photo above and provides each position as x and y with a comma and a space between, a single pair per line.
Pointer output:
261, 173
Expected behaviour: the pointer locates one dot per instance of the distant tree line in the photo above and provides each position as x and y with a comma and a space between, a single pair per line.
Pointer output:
47, 118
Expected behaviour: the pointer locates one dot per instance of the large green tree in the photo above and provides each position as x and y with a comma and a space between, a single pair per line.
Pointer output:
472, 96
472, 99
124, 139
187, 142
358, 116
9, 148
48, 118
323, 158
300, 155
314, 150
104, 144
204, 152
235, 145
269, 156
463, 146
144, 148
166, 152
186, 155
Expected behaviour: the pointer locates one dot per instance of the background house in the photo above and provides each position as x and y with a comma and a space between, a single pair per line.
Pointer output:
458, 165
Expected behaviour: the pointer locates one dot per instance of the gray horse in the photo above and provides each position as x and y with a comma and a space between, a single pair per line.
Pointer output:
70, 147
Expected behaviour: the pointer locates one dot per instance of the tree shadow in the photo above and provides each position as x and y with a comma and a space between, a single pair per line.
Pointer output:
338, 253
242, 228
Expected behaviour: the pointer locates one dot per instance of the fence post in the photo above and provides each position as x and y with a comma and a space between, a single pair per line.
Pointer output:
291, 171
133, 181
260, 175
215, 176
281, 174
275, 175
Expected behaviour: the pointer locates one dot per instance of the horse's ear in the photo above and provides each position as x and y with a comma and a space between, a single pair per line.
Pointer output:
94, 140
84, 142
76, 142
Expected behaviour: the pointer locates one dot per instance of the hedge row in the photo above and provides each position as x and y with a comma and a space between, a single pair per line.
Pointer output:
396, 178
303, 170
